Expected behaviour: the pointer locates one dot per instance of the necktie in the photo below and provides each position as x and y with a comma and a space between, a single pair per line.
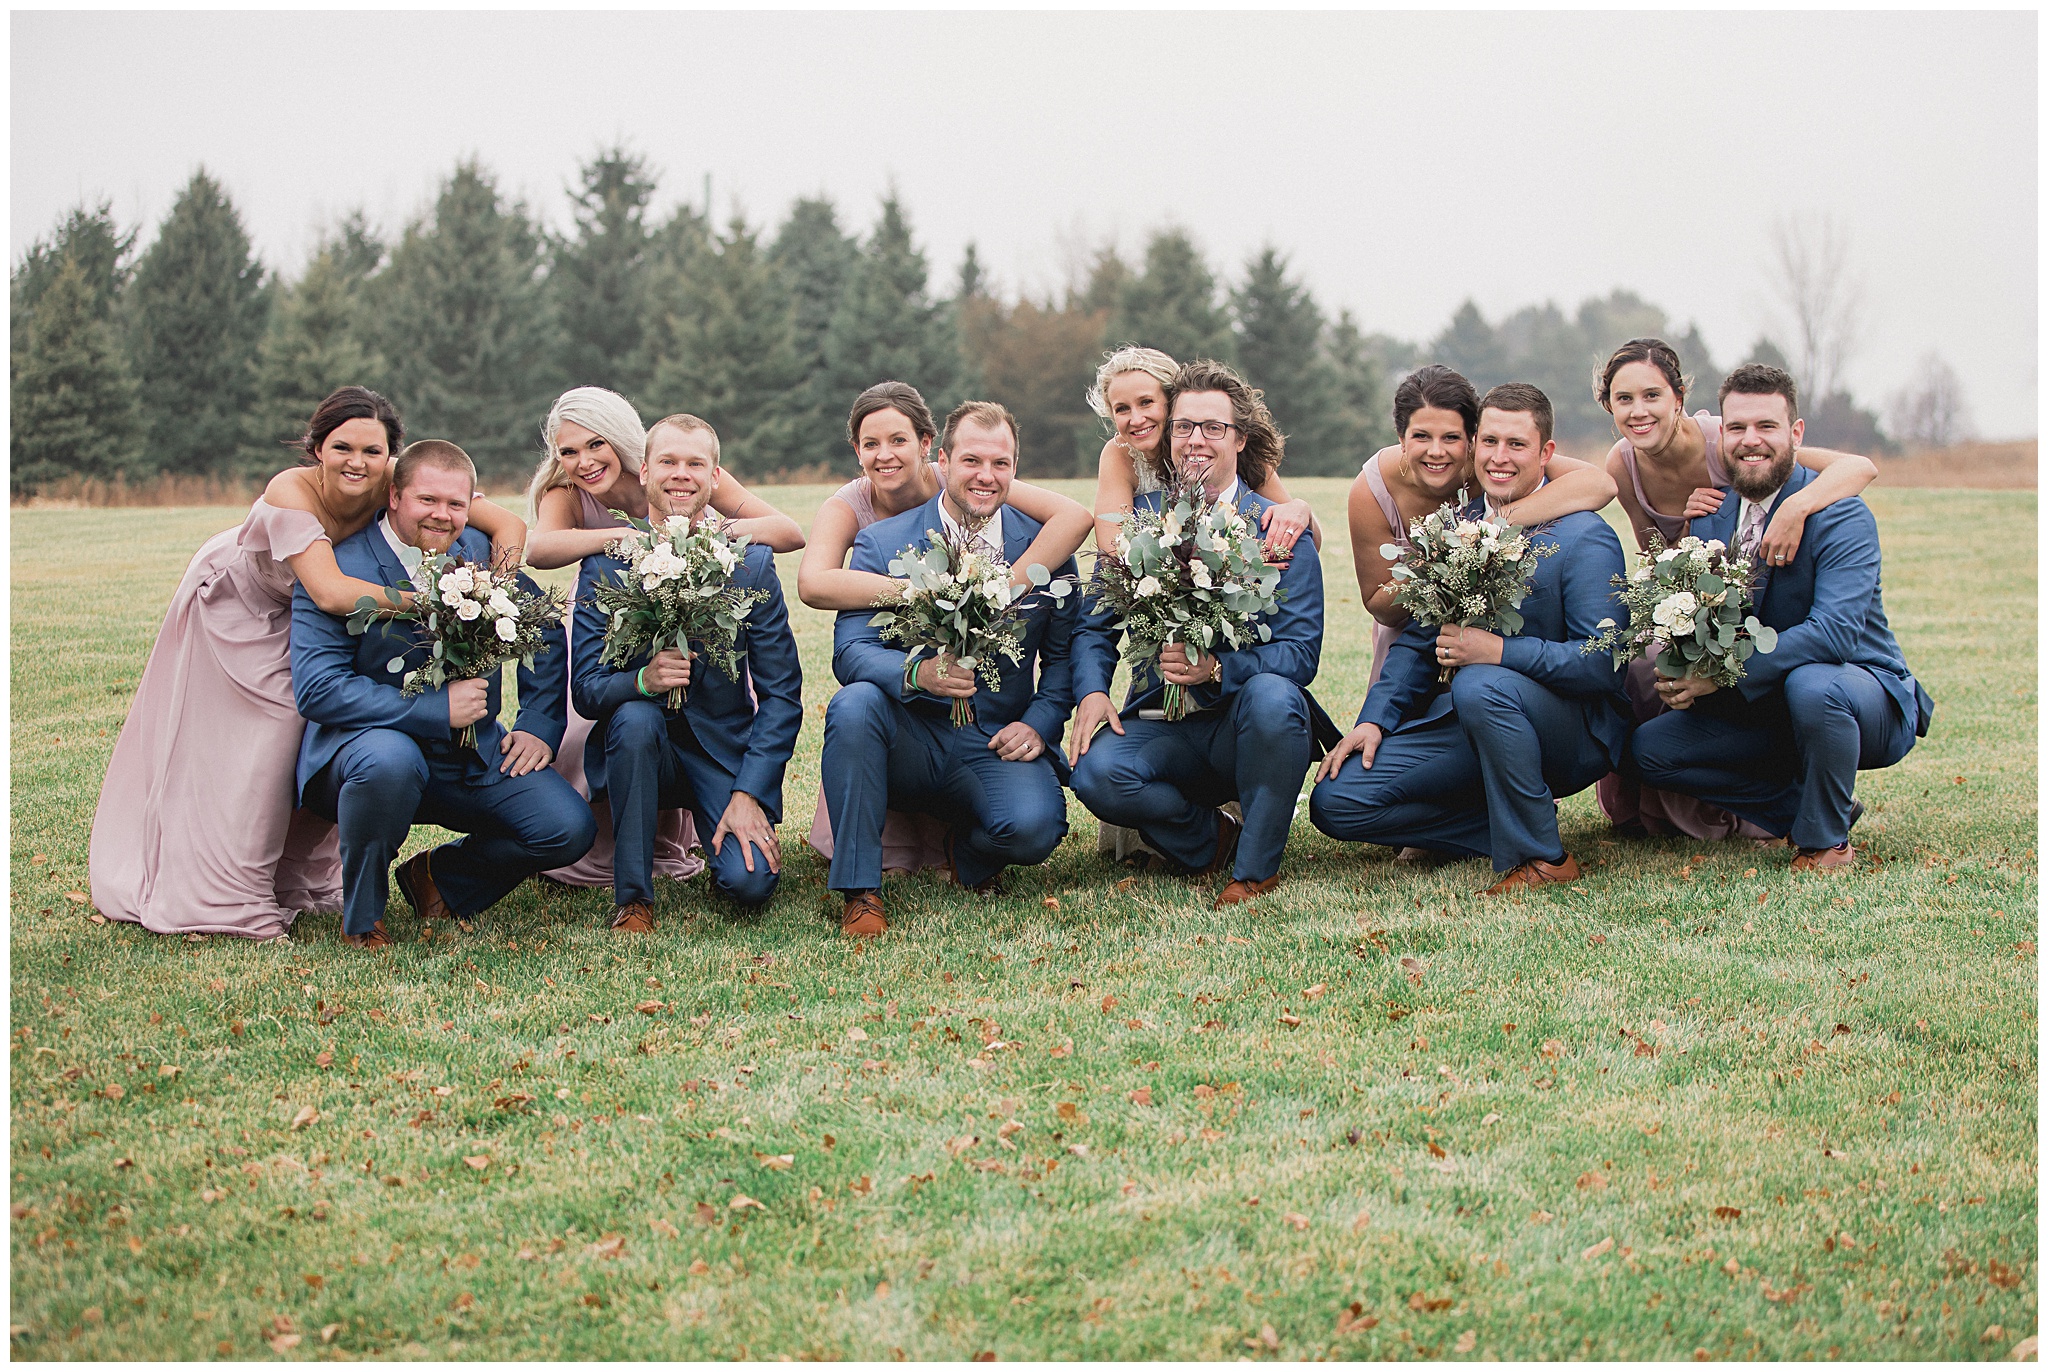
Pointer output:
1752, 535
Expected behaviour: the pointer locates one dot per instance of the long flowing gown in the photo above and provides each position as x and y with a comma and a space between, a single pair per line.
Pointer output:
197, 830
911, 841
675, 833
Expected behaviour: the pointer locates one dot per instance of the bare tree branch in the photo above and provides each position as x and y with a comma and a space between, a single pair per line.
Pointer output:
1810, 273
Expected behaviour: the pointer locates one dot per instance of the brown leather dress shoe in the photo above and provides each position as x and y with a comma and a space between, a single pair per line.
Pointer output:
1227, 831
1536, 872
862, 917
1240, 891
634, 917
1836, 859
416, 879
376, 941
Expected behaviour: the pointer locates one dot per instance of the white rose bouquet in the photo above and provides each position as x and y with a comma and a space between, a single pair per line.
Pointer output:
677, 589
1474, 573
1189, 572
1689, 605
961, 607
477, 618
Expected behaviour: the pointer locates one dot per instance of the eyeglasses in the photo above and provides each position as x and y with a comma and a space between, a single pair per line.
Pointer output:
1212, 429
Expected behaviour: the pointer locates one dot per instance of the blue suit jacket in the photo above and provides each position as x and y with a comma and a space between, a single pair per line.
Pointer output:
344, 684
1295, 650
1826, 603
1571, 592
1038, 689
752, 742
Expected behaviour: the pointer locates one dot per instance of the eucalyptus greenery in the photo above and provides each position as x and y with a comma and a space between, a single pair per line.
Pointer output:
1690, 605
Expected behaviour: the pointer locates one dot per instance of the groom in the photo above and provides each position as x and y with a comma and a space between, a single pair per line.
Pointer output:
889, 740
1783, 746
1476, 767
724, 752
376, 761
1250, 733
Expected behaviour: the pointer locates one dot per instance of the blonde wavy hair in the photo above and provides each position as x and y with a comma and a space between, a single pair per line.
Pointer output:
605, 413
1155, 364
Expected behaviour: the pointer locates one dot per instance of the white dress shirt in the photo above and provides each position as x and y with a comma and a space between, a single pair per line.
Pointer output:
989, 535
409, 556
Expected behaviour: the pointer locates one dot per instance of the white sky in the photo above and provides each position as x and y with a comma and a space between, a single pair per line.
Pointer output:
1405, 160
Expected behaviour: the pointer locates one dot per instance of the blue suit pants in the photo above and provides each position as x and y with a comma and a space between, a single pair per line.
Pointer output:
880, 755
1166, 779
650, 767
380, 784
1482, 781
1787, 761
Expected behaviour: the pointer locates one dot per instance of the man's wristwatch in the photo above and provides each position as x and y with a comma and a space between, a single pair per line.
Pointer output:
1216, 668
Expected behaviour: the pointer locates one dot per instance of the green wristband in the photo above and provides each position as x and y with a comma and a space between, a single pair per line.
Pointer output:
640, 681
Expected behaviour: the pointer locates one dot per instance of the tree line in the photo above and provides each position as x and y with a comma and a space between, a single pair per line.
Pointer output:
194, 358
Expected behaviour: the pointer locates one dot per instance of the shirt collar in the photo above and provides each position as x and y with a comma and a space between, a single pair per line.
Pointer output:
1493, 510
1232, 493
990, 534
409, 557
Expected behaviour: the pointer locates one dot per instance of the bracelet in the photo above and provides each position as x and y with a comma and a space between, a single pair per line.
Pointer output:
910, 673
640, 682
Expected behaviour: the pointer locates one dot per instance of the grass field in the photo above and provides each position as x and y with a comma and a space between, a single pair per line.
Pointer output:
1689, 1107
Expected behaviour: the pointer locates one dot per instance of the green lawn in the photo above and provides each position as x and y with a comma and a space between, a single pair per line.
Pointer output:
1688, 1107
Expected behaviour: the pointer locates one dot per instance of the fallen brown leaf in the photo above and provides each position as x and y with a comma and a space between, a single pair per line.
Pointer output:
1141, 1096
477, 1161
1296, 1221
1597, 1249
1467, 1341
745, 1202
306, 1115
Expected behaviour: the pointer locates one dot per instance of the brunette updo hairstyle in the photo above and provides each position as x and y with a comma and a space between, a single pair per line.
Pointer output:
1654, 351
351, 402
891, 395
1435, 387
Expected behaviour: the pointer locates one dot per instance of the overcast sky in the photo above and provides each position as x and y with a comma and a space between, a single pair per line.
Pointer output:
1405, 161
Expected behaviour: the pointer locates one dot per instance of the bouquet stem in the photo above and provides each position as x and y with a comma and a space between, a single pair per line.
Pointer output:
467, 738
678, 696
1176, 702
963, 712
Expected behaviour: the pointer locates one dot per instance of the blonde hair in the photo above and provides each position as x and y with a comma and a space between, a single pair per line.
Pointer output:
687, 424
1129, 358
605, 413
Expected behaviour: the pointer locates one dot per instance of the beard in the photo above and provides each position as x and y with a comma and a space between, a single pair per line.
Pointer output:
1754, 484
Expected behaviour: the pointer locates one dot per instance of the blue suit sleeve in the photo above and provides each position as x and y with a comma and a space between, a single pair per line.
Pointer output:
858, 653
544, 687
1407, 680
1847, 565
1586, 589
597, 689
1054, 699
329, 690
1095, 645
778, 678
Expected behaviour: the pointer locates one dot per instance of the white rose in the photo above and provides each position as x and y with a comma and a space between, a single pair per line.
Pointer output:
1667, 554
468, 610
501, 604
508, 629
1715, 545
1641, 573
725, 556
1198, 571
1148, 585
1675, 612
464, 578
448, 583
451, 597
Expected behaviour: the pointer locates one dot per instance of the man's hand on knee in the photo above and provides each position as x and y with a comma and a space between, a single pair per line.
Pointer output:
1364, 740
747, 824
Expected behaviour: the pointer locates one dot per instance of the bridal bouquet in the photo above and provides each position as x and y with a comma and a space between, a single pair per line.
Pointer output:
961, 606
477, 619
1688, 604
676, 589
1189, 572
1470, 572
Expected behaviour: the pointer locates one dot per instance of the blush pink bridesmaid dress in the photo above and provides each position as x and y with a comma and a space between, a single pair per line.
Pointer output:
197, 830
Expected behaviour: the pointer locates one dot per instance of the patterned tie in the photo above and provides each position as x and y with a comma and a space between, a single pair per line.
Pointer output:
1752, 535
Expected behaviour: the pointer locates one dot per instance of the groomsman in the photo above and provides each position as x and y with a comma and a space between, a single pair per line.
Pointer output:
1476, 767
1783, 746
724, 752
377, 761
1250, 733
889, 740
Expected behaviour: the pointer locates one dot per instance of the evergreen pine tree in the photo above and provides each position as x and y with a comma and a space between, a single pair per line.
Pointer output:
318, 340
1172, 305
197, 310
464, 326
1280, 350
1470, 346
598, 279
816, 261
89, 238
973, 307
1704, 392
731, 356
887, 328
1365, 400
74, 404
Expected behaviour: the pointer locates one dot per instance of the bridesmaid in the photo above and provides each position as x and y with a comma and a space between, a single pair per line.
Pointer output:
1436, 414
1667, 459
196, 830
586, 484
892, 432
1130, 393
